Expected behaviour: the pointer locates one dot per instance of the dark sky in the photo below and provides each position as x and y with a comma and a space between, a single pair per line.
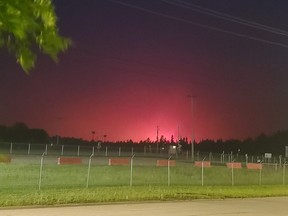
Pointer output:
131, 70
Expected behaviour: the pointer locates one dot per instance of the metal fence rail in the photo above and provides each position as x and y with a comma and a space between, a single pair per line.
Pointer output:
40, 171
129, 150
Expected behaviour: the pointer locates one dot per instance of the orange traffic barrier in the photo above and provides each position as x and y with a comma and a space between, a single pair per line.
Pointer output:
256, 166
205, 163
235, 165
69, 160
165, 163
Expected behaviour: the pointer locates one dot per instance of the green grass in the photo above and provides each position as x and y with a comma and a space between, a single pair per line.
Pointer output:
28, 197
66, 184
27, 175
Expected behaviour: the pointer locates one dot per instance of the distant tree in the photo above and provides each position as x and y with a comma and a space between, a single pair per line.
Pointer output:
172, 139
148, 141
38, 136
207, 146
29, 25
72, 141
3, 133
184, 143
130, 142
279, 140
248, 146
19, 132
232, 145
162, 140
261, 143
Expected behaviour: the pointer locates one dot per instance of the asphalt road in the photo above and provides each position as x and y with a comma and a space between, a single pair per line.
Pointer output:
231, 207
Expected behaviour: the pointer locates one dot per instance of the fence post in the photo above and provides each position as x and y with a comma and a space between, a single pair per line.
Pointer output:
62, 150
11, 148
106, 151
168, 165
88, 172
232, 173
131, 170
260, 174
29, 148
284, 174
210, 156
46, 149
202, 172
246, 158
41, 167
132, 151
222, 157
78, 151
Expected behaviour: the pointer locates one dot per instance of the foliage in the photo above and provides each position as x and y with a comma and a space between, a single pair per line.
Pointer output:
29, 25
19, 132
274, 144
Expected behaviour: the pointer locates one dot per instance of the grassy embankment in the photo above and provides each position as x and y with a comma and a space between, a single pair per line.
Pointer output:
136, 193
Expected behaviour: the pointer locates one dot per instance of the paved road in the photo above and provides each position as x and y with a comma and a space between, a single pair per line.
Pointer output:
233, 207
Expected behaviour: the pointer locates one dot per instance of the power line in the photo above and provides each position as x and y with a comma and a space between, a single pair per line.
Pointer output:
119, 59
227, 17
200, 25
208, 81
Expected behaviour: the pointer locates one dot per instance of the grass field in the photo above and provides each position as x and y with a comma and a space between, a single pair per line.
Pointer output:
63, 184
61, 196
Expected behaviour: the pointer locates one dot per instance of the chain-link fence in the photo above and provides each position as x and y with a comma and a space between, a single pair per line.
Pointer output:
143, 150
44, 165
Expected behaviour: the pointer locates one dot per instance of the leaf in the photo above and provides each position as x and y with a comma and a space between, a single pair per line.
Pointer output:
26, 59
27, 24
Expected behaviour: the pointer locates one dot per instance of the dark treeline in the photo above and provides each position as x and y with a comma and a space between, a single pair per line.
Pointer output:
19, 132
274, 143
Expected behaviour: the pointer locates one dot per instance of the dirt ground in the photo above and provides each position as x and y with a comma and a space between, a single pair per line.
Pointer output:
232, 207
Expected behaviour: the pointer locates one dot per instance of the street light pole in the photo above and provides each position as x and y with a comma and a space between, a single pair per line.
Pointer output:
192, 97
93, 134
157, 139
57, 128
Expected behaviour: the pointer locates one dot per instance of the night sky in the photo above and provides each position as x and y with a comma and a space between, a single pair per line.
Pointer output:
130, 70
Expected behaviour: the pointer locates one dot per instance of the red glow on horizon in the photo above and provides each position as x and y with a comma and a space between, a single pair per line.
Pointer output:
122, 118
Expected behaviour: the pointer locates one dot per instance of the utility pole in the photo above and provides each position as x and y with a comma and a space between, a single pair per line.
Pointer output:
193, 123
157, 139
57, 128
93, 134
178, 134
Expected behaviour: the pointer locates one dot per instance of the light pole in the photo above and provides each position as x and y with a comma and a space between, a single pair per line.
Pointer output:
192, 97
157, 139
57, 128
93, 134
104, 138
